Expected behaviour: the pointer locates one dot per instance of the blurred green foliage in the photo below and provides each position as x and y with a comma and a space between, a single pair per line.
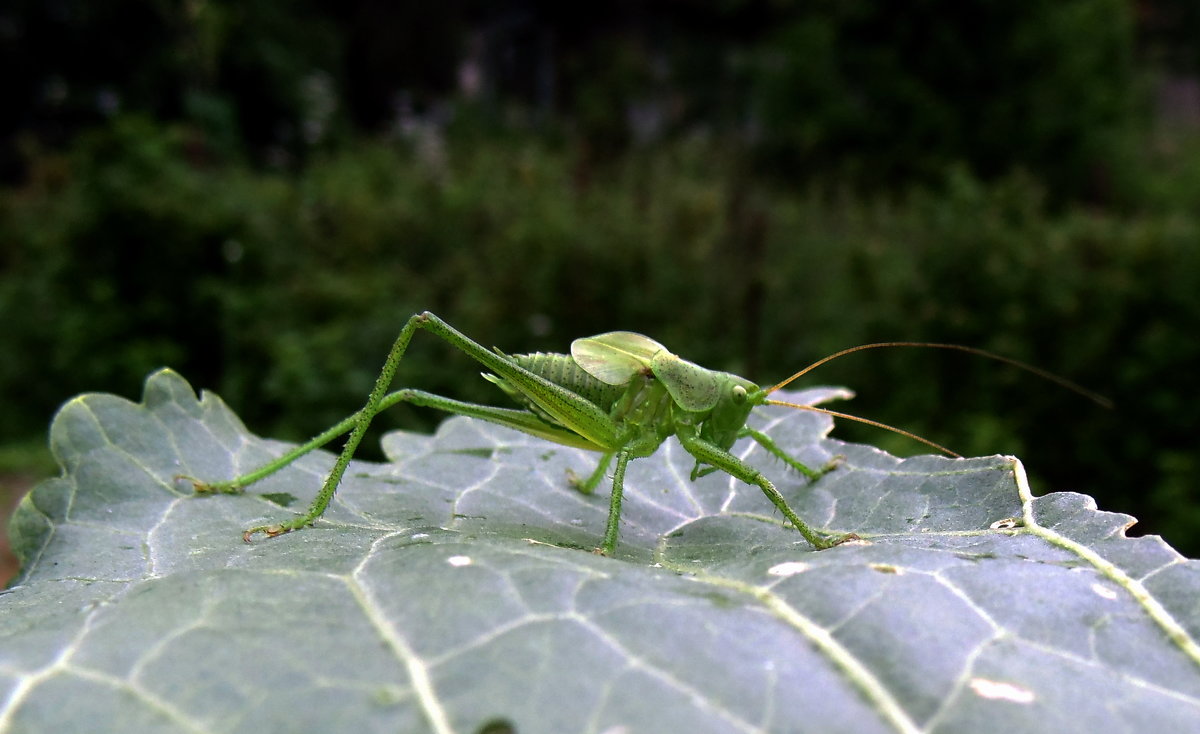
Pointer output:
259, 193
893, 91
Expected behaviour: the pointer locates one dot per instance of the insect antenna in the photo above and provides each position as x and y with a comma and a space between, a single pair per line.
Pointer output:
869, 422
1044, 374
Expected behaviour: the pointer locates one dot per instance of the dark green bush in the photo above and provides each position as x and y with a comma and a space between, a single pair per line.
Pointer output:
892, 92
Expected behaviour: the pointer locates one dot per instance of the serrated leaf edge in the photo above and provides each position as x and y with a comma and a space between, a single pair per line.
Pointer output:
1157, 612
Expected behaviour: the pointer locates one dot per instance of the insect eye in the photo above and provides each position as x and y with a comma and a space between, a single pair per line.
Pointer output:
739, 394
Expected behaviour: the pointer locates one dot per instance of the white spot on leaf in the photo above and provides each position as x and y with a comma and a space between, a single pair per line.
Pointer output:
459, 560
1000, 691
788, 568
1104, 591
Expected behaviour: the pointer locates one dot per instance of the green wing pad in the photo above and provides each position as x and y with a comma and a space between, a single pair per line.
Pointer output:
616, 357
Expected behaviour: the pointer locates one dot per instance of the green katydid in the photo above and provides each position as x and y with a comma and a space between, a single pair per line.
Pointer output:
621, 394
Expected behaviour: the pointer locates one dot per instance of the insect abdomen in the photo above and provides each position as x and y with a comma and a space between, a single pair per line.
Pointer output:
561, 369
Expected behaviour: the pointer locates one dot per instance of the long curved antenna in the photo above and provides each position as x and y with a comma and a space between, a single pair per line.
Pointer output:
1044, 374
869, 422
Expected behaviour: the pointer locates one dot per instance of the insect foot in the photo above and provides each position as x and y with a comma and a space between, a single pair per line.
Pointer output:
202, 487
843, 538
833, 463
273, 530
574, 481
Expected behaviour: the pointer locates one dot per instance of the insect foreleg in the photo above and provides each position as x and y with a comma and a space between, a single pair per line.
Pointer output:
773, 448
708, 453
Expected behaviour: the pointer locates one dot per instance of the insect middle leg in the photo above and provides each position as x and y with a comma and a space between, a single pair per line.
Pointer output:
587, 486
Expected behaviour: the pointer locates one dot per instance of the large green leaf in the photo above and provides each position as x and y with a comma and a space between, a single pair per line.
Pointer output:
452, 589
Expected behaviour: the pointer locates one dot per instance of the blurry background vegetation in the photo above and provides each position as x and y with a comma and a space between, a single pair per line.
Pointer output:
258, 193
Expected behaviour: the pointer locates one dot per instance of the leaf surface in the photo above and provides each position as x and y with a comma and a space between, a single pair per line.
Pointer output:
452, 588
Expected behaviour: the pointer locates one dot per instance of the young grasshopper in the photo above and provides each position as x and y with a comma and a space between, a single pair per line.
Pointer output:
621, 394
